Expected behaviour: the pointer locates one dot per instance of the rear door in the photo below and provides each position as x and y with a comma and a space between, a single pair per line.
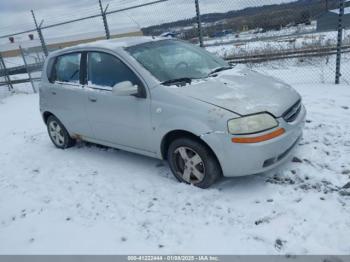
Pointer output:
68, 96
120, 120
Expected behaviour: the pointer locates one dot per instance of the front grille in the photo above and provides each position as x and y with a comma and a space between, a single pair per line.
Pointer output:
292, 113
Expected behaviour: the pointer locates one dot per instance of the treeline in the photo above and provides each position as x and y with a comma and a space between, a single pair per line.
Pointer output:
267, 17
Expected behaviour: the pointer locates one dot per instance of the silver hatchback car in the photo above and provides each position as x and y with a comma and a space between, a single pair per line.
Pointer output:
171, 100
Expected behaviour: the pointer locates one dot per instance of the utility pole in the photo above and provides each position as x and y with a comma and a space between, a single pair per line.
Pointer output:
339, 41
104, 18
38, 29
199, 24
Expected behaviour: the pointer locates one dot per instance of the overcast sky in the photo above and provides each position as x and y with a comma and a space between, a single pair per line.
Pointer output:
15, 14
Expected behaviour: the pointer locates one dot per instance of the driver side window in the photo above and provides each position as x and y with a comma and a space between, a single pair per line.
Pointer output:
106, 70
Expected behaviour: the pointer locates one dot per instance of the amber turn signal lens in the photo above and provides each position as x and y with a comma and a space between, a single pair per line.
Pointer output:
257, 139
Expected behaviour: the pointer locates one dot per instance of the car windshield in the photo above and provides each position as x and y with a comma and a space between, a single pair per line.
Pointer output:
169, 60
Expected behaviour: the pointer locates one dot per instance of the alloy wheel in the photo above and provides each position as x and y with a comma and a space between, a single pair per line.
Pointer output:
56, 133
189, 165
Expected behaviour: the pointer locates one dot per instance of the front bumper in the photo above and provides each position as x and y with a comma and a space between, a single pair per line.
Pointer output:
246, 159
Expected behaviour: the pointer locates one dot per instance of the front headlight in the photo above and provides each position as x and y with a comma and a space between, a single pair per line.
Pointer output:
251, 124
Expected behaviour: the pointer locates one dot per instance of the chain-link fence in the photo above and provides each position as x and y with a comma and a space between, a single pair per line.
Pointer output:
302, 42
296, 41
33, 59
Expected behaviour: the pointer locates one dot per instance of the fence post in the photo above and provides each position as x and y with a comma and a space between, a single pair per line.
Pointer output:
28, 71
339, 41
199, 24
7, 77
104, 18
38, 29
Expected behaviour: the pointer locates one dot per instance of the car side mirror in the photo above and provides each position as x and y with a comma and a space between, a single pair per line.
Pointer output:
125, 88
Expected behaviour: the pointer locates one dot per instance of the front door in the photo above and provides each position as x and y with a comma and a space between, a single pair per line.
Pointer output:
120, 120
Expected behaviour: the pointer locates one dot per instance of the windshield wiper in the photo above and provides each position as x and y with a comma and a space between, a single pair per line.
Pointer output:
219, 69
181, 81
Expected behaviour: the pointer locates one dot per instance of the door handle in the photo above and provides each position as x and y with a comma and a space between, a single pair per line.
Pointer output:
92, 99
53, 92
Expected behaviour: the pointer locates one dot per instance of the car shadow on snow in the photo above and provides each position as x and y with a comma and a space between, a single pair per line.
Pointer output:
161, 169
251, 182
283, 176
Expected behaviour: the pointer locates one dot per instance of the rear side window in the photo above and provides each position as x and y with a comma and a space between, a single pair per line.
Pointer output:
107, 70
67, 68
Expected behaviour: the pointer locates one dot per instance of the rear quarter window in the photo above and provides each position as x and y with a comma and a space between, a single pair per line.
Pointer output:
66, 68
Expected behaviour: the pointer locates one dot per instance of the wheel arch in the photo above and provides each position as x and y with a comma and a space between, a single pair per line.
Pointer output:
174, 134
46, 116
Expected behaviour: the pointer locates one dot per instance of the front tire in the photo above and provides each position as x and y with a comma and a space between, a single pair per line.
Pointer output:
58, 133
192, 162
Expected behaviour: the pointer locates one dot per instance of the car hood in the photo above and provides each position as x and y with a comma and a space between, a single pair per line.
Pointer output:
244, 92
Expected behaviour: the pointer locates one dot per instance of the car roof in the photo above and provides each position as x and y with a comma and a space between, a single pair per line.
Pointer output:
112, 44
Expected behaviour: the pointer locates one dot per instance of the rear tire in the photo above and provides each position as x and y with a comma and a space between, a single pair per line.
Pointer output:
58, 133
192, 162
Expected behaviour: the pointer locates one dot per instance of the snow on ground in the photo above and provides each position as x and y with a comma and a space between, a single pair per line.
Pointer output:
255, 34
90, 199
250, 43
316, 70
